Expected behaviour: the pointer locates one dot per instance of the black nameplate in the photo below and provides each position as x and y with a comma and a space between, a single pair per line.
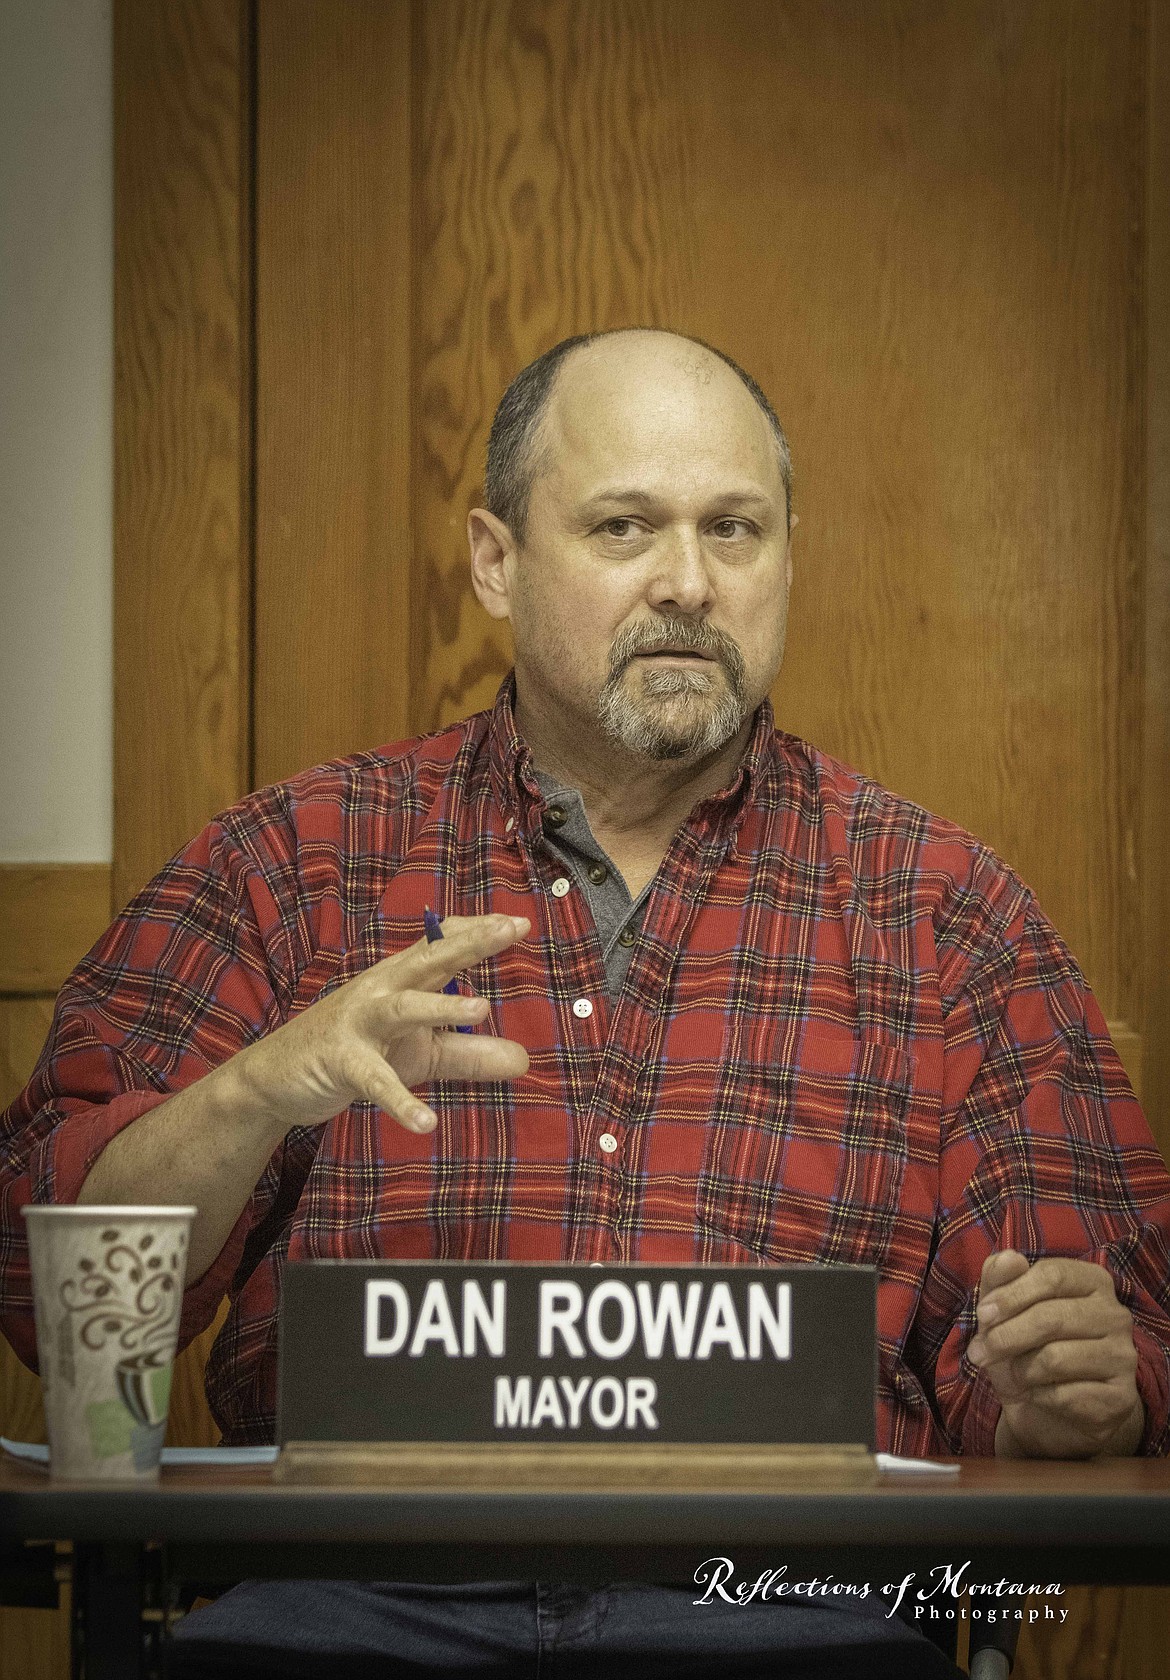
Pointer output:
442, 1351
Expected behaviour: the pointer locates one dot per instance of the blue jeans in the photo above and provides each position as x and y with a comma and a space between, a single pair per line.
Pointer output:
512, 1630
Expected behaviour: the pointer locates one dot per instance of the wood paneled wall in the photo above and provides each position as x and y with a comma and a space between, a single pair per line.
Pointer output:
936, 231
183, 421
334, 391
1154, 853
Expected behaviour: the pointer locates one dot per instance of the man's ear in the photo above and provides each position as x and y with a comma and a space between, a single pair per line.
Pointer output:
493, 551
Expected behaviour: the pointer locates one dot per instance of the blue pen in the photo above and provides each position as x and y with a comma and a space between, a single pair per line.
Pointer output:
434, 931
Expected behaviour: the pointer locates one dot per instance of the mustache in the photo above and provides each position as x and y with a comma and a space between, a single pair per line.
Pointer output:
684, 635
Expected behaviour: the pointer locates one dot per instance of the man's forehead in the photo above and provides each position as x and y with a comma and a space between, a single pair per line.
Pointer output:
651, 394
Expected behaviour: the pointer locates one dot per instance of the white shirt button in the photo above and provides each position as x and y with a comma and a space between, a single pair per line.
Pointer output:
509, 825
560, 886
582, 1009
608, 1142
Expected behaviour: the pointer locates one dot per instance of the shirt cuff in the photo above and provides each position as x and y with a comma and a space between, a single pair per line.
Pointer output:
75, 1145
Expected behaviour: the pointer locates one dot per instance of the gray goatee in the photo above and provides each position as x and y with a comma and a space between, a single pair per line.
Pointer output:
642, 723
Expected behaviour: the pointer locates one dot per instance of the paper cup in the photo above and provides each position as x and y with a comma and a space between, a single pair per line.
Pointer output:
108, 1290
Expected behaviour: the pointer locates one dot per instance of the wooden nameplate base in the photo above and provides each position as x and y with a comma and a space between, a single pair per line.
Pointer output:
566, 1467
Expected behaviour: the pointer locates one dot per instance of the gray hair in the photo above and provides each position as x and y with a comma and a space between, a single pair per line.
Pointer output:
512, 460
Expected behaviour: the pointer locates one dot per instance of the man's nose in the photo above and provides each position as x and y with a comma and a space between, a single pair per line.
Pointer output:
681, 577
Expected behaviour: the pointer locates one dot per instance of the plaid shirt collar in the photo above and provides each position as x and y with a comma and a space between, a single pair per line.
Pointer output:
758, 779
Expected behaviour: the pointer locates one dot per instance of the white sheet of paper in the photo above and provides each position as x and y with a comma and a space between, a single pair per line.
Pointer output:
915, 1466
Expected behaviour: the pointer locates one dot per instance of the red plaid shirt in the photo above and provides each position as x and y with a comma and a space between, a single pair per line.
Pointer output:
847, 1035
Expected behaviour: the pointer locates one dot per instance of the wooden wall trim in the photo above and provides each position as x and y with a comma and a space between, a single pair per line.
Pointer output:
1156, 726
183, 81
1145, 1616
50, 915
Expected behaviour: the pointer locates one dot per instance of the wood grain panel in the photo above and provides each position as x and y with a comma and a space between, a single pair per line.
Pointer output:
182, 469
1145, 1620
34, 1644
333, 548
22, 1410
50, 915
1145, 1633
553, 170
1156, 777
24, 1026
1110, 1634
1087, 1646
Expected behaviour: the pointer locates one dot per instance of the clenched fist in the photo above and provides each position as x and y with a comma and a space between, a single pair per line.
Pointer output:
1057, 1346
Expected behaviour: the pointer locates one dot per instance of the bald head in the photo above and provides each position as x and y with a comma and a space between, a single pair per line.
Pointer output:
581, 384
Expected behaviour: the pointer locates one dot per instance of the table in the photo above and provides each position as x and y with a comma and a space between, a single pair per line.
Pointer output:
1105, 1522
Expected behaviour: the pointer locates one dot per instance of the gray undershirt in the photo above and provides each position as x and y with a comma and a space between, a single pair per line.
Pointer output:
616, 915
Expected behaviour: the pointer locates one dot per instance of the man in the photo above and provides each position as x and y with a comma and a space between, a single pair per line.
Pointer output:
729, 1001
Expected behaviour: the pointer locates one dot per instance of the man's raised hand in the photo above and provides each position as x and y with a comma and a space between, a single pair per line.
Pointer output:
385, 1030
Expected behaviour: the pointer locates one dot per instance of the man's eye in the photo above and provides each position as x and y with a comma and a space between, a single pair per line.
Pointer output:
731, 527
618, 527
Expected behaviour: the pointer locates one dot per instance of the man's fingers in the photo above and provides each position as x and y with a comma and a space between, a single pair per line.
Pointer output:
374, 1080
1048, 1279
388, 1016
1088, 1405
478, 1057
1099, 1359
1001, 1267
466, 940
1068, 1319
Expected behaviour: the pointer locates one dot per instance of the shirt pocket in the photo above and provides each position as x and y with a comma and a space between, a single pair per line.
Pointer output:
804, 1163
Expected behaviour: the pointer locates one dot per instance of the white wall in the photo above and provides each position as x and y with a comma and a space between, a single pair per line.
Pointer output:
56, 430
